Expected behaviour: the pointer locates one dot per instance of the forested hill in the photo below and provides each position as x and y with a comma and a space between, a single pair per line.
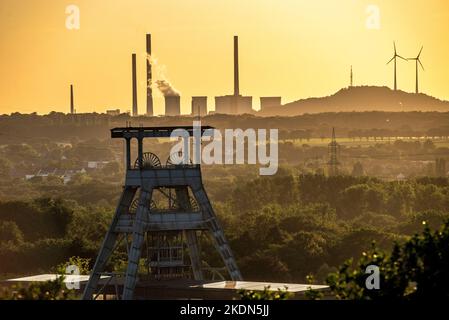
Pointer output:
363, 98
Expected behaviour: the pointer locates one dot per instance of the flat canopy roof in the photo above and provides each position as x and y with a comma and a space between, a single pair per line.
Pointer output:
225, 285
260, 286
177, 288
68, 278
153, 132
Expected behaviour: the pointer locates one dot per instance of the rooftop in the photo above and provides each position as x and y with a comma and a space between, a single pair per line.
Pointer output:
178, 288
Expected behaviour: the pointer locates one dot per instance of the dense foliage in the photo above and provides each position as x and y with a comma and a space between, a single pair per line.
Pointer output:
48, 290
281, 228
416, 269
299, 223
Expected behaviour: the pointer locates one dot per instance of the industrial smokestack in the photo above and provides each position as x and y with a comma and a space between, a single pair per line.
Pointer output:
149, 78
236, 66
72, 104
134, 79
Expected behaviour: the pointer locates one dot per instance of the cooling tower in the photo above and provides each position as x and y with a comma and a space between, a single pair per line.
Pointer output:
172, 105
199, 106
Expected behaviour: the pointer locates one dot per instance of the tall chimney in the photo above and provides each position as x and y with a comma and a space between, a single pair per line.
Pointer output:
72, 104
236, 66
149, 78
135, 112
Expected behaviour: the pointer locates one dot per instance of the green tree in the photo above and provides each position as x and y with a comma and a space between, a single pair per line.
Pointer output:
266, 294
83, 265
416, 269
10, 232
49, 290
357, 169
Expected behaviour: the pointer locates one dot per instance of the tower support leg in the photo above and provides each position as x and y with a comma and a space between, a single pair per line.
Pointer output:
220, 241
136, 246
108, 243
194, 253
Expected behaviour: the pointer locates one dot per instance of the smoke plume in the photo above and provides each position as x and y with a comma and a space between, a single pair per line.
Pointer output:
160, 72
166, 88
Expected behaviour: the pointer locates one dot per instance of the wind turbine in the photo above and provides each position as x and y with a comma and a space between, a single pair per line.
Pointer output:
395, 73
417, 60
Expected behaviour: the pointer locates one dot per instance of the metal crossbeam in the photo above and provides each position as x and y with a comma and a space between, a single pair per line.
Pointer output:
153, 132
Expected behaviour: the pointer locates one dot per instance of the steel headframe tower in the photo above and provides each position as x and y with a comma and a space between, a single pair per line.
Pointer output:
333, 150
144, 227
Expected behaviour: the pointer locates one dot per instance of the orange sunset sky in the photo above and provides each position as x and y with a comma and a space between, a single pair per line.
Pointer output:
290, 48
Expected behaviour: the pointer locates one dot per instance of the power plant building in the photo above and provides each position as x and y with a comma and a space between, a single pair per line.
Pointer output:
234, 104
113, 112
199, 106
269, 102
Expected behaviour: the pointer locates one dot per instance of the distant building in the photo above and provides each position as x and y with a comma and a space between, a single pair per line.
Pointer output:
96, 164
172, 105
65, 175
115, 112
269, 102
234, 104
199, 106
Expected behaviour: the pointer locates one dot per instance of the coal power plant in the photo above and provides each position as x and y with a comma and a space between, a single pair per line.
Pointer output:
235, 103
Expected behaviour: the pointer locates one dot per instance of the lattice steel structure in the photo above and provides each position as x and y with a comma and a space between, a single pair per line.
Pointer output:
333, 151
161, 212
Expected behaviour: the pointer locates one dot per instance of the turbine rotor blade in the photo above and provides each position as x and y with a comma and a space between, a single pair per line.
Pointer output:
394, 45
391, 60
401, 57
420, 63
420, 52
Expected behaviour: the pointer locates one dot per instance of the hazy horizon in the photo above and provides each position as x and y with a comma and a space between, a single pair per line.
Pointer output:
293, 49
